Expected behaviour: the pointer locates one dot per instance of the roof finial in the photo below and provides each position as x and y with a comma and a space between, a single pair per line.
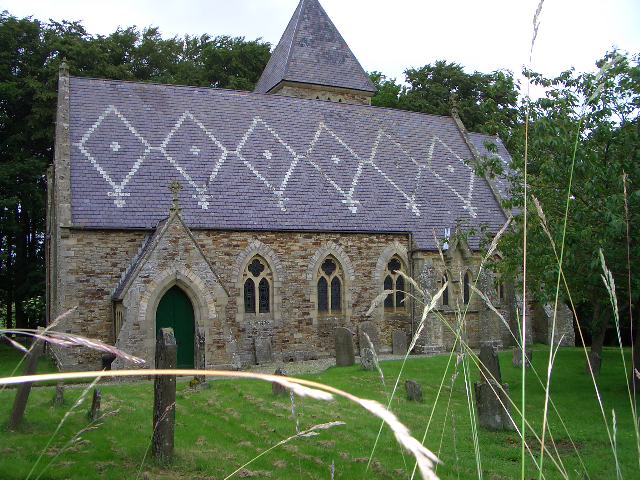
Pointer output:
175, 188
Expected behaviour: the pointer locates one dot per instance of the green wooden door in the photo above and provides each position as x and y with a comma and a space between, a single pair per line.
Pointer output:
175, 311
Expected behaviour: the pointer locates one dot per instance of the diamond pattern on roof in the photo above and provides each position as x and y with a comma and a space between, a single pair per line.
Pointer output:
265, 162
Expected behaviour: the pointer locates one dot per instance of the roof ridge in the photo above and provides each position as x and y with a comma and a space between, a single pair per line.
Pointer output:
293, 37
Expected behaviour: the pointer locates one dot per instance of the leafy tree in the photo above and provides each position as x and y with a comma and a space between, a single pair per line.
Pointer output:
30, 55
599, 116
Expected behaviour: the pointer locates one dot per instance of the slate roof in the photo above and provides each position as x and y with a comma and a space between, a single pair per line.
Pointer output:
312, 51
502, 182
266, 162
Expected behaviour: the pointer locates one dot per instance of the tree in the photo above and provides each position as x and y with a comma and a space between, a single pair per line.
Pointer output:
599, 116
30, 55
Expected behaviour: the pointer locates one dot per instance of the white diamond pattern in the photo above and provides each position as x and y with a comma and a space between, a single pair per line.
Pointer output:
346, 163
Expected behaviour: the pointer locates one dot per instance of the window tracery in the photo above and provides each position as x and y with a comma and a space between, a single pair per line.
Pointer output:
257, 286
329, 286
394, 282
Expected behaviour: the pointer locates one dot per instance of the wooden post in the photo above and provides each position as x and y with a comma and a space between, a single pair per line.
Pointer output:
24, 389
94, 412
164, 405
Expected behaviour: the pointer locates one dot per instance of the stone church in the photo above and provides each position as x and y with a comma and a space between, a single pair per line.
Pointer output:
254, 224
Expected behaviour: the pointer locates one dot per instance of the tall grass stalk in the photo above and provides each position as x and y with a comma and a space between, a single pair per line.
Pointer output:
80, 401
311, 432
557, 295
610, 285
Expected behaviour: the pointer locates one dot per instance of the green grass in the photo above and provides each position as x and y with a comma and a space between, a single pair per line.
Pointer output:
221, 428
9, 358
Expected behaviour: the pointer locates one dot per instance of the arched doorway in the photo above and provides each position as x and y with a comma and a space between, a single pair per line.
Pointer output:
176, 311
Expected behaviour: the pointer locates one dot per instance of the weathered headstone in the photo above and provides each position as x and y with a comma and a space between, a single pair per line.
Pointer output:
263, 350
414, 391
596, 362
399, 342
276, 388
164, 404
345, 356
24, 389
368, 359
58, 399
94, 412
489, 364
492, 403
200, 355
370, 329
517, 357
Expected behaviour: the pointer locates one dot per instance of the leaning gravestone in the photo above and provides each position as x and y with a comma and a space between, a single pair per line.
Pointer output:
517, 357
24, 389
94, 412
368, 359
399, 343
489, 364
596, 362
370, 329
263, 350
276, 388
414, 391
58, 399
345, 356
164, 404
200, 380
492, 402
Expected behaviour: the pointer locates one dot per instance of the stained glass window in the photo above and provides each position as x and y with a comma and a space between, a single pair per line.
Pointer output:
388, 285
399, 292
256, 268
466, 290
336, 295
249, 296
394, 282
445, 294
323, 295
263, 295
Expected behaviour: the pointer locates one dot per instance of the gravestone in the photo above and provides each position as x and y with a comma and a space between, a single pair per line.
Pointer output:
493, 405
370, 329
596, 362
164, 402
345, 356
276, 388
263, 350
489, 364
414, 391
94, 412
368, 359
399, 342
200, 355
58, 399
24, 389
517, 357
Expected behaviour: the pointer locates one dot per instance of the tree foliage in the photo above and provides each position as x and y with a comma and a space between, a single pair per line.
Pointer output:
30, 55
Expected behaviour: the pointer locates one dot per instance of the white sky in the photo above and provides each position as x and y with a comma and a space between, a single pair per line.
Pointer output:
388, 35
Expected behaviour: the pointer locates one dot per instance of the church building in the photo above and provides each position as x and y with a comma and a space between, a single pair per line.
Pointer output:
256, 223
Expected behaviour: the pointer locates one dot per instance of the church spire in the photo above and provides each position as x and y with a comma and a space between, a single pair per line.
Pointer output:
312, 60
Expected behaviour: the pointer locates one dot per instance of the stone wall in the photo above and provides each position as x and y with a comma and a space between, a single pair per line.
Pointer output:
94, 264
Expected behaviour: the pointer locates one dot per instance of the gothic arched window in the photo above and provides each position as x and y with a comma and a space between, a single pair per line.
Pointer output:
257, 286
394, 282
330, 284
466, 293
445, 293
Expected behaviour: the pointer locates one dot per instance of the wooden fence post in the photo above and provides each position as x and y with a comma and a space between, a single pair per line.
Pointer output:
24, 389
164, 404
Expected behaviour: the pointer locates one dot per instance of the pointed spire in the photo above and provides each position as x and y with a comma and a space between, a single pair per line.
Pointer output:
312, 51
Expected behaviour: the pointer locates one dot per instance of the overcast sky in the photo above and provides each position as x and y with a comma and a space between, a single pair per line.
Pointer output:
388, 35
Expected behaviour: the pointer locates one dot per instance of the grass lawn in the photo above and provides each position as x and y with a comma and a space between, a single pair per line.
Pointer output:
10, 357
221, 428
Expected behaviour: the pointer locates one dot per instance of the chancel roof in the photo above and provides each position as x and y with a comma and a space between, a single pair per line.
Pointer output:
312, 51
249, 161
